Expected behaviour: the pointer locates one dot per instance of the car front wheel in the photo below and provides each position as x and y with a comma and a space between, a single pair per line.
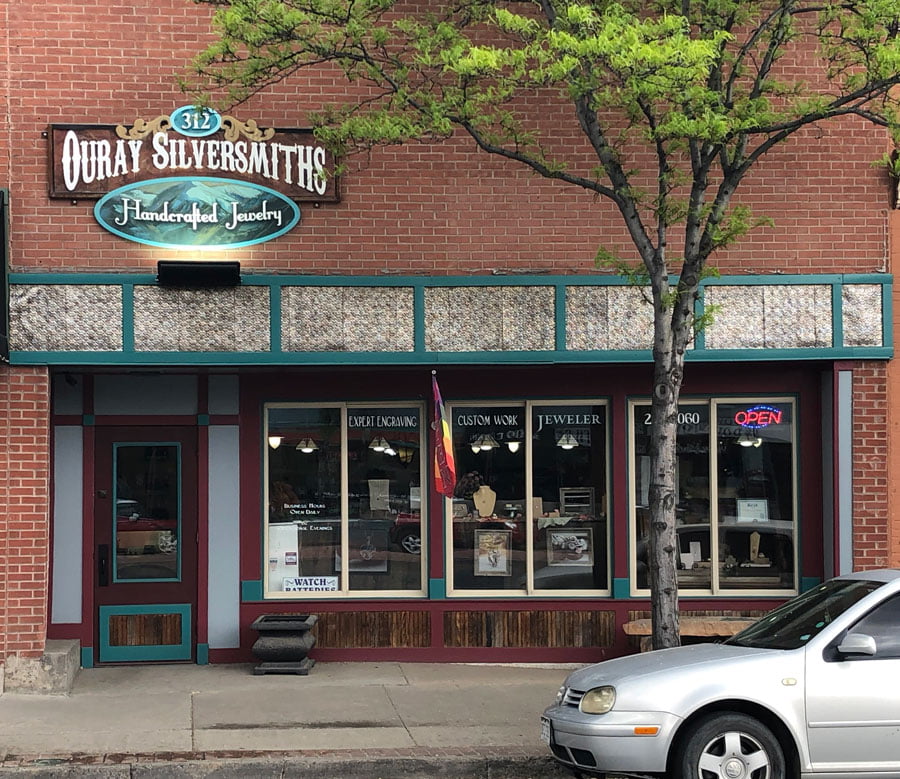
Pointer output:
728, 745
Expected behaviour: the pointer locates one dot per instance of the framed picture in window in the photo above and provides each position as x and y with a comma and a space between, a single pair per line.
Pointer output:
570, 547
756, 510
492, 553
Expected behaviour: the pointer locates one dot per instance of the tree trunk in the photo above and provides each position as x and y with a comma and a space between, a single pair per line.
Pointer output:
663, 544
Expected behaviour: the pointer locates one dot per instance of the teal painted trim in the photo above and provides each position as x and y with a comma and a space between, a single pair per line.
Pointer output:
793, 279
755, 355
560, 319
621, 588
436, 358
419, 355
887, 315
203, 420
419, 319
699, 307
530, 280
437, 589
128, 317
202, 654
83, 278
87, 657
251, 591
837, 317
118, 654
808, 582
274, 319
87, 420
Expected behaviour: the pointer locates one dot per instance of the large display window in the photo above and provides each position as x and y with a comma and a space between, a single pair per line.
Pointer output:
736, 495
529, 513
343, 490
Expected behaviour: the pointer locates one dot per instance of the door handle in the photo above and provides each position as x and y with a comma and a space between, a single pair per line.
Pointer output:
103, 565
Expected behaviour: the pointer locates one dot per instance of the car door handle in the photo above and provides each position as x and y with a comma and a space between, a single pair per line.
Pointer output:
103, 565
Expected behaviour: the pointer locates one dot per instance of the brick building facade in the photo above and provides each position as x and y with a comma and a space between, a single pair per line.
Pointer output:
434, 256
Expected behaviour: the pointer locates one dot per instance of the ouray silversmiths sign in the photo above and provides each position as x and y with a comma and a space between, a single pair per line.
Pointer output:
191, 179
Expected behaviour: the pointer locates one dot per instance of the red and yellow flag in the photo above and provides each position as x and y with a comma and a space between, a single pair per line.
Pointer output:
444, 466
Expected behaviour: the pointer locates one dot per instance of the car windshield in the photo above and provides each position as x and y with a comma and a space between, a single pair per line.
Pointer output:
794, 623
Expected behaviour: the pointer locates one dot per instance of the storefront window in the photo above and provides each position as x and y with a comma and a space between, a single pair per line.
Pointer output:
735, 519
488, 514
692, 514
343, 483
529, 509
384, 462
755, 495
569, 488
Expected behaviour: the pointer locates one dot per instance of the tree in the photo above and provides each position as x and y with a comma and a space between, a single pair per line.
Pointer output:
677, 100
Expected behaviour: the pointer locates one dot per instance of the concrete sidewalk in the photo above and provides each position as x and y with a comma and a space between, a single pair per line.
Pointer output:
343, 720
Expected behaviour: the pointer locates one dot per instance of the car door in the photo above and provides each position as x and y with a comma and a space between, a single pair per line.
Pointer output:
853, 701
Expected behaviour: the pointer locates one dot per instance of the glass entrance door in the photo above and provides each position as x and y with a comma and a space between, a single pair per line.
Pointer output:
145, 524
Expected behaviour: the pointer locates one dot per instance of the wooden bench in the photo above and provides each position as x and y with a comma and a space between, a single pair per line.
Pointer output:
690, 627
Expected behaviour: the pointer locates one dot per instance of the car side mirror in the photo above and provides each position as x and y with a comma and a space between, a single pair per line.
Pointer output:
857, 644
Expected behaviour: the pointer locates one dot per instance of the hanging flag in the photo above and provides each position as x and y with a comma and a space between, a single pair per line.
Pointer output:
444, 466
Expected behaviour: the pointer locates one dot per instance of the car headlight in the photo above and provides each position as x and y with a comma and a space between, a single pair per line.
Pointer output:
560, 694
599, 700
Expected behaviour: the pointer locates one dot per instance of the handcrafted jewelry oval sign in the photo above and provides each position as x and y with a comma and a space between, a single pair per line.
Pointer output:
196, 213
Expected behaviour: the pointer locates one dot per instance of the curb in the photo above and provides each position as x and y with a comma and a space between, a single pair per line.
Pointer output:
480, 763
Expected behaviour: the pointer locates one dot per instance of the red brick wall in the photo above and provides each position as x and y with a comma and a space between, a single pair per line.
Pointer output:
892, 506
871, 529
425, 209
24, 510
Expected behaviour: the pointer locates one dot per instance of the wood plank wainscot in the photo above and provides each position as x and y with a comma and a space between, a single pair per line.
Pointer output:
703, 628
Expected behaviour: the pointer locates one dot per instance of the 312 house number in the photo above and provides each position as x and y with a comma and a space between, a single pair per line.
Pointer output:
195, 122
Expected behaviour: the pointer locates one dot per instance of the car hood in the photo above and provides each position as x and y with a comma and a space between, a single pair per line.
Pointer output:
663, 662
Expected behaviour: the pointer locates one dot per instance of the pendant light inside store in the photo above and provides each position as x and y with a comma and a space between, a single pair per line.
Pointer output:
307, 446
567, 441
484, 443
378, 444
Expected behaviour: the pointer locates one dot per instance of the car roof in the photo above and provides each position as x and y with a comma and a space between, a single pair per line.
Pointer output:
876, 574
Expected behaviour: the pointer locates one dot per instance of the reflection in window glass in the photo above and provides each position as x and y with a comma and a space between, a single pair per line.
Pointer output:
692, 515
756, 495
147, 501
569, 497
385, 533
488, 508
304, 472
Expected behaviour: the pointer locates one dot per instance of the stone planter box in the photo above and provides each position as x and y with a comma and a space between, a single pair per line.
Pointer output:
284, 643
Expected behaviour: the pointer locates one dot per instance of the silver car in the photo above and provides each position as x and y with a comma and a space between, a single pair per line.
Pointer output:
811, 689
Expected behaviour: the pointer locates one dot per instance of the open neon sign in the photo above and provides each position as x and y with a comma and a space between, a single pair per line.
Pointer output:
758, 416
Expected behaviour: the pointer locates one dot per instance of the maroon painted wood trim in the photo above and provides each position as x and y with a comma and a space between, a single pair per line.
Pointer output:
202, 609
69, 420
251, 500
131, 420
89, 633
619, 533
